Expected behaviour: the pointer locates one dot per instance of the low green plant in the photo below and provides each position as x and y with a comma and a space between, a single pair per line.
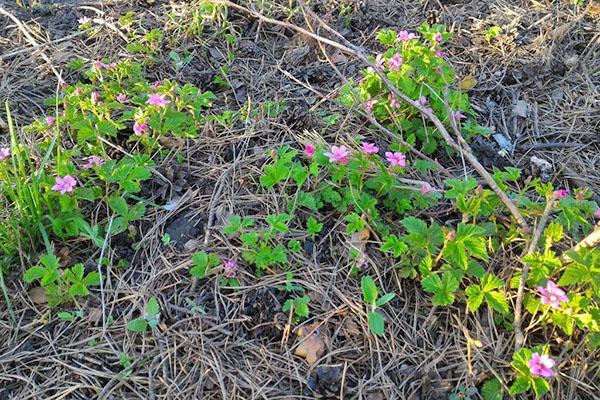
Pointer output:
298, 306
61, 284
371, 297
149, 319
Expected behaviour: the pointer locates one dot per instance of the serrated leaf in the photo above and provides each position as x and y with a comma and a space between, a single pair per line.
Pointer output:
34, 273
474, 297
520, 385
492, 389
540, 387
497, 301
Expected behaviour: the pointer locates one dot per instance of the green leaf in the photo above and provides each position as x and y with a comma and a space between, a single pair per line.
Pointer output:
414, 225
152, 307
50, 261
118, 205
92, 279
369, 289
34, 273
474, 297
459, 187
66, 316
78, 289
233, 226
469, 240
355, 223
279, 222
443, 288
287, 305
137, 325
376, 323
492, 389
497, 301
386, 298
387, 37
520, 385
540, 387
313, 226
301, 306
394, 245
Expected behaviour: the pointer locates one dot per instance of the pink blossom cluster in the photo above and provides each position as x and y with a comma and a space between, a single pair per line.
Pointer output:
405, 36
552, 295
101, 65
541, 365
230, 268
4, 153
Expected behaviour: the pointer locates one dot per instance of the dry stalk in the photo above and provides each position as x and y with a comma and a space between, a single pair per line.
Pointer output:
519, 337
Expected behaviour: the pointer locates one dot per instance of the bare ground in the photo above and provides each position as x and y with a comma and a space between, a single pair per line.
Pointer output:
238, 347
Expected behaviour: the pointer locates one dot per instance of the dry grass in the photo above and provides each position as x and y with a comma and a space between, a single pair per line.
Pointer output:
238, 347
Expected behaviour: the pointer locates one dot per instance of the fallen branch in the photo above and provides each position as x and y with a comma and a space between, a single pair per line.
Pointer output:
519, 337
591, 240
460, 146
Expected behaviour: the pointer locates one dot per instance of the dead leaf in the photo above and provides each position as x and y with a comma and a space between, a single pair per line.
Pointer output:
359, 239
64, 255
170, 142
95, 315
350, 329
521, 108
593, 9
312, 347
338, 57
38, 295
467, 83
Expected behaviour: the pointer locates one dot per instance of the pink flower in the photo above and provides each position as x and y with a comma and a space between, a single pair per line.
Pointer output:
309, 150
438, 37
561, 193
397, 159
4, 153
154, 86
338, 154
62, 84
93, 161
394, 103
78, 91
95, 96
64, 185
597, 213
426, 188
369, 148
139, 128
84, 20
122, 98
159, 100
440, 53
379, 61
230, 268
451, 235
405, 36
541, 365
422, 100
369, 104
459, 116
50, 121
552, 295
395, 62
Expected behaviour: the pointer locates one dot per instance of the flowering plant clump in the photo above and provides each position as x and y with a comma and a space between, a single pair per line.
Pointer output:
114, 108
365, 186
415, 65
